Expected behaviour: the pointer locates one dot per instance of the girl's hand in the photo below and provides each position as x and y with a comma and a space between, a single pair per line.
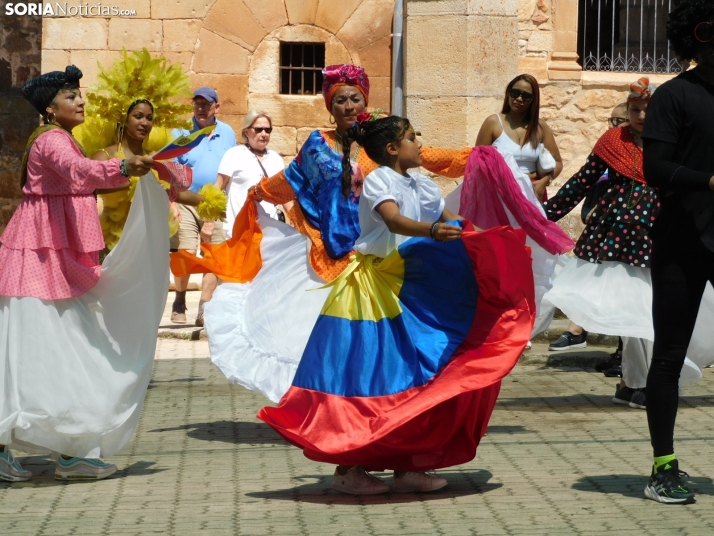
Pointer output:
443, 232
173, 207
539, 187
138, 166
207, 231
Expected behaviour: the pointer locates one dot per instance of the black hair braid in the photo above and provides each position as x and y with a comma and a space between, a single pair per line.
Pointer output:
374, 136
354, 133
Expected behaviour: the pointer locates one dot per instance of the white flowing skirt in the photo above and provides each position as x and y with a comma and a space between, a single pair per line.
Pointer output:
74, 372
257, 331
613, 298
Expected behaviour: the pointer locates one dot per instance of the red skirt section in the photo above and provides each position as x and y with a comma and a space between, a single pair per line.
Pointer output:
440, 423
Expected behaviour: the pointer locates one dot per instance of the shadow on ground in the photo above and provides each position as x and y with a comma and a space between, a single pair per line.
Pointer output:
585, 403
316, 489
633, 485
251, 433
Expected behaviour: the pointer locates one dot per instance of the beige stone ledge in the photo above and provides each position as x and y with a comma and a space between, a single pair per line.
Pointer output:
380, 93
135, 34
232, 58
270, 13
332, 18
591, 79
180, 35
180, 9
71, 34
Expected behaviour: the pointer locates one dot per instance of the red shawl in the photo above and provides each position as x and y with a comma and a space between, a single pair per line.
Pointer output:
619, 151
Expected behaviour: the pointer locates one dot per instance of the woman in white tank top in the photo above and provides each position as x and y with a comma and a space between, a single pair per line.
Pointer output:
518, 130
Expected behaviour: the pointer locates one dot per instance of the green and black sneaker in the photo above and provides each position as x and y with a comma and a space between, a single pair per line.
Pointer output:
666, 485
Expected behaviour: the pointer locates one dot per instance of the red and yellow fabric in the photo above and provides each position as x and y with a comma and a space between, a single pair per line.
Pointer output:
403, 367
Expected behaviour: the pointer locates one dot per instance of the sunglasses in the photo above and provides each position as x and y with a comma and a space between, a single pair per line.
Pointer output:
258, 130
616, 121
704, 32
515, 93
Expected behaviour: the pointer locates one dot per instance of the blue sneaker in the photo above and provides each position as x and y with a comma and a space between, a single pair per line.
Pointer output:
11, 470
83, 469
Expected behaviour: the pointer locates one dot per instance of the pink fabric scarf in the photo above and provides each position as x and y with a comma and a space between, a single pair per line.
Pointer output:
489, 186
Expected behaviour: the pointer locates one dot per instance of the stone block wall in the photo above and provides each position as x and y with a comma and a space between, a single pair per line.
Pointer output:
233, 45
20, 45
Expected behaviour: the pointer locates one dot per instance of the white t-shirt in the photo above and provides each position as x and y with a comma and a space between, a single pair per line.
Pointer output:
242, 168
417, 197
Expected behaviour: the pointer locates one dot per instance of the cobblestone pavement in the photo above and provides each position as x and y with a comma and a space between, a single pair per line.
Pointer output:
559, 458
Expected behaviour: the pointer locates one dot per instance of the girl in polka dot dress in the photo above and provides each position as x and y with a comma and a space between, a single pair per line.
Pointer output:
606, 288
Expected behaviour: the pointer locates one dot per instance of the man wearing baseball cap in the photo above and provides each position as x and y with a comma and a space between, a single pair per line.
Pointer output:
204, 160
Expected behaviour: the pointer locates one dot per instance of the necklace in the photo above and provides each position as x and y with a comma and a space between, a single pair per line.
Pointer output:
256, 151
515, 129
338, 146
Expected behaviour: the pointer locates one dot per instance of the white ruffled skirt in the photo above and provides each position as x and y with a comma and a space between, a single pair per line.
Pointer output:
257, 331
74, 372
613, 298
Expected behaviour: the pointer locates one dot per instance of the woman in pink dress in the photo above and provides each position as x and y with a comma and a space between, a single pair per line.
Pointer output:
75, 358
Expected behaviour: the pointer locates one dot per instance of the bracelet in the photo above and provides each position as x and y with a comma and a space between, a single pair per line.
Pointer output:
432, 231
255, 192
122, 168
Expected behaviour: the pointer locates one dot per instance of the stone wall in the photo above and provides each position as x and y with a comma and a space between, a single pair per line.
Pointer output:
233, 46
20, 44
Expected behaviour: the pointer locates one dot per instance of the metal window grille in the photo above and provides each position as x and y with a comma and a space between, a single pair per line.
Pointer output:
301, 68
625, 36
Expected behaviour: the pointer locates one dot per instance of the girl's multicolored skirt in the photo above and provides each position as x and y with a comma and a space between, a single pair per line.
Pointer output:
404, 365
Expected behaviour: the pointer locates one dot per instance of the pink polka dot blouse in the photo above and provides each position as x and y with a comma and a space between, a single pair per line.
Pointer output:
50, 249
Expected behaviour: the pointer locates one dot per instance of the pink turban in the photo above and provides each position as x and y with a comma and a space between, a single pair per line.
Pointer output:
334, 76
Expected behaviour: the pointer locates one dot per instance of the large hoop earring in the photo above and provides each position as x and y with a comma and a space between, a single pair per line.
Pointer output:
332, 120
51, 119
704, 32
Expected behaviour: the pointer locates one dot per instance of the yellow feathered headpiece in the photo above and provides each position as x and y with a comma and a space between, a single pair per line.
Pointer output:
133, 77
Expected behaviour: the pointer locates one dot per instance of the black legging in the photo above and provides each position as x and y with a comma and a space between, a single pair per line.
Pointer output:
678, 282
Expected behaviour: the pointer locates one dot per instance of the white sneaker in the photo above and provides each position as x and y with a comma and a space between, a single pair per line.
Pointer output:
11, 470
422, 482
358, 482
83, 469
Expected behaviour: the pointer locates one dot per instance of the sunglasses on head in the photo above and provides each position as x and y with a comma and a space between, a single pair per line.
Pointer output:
258, 130
515, 93
616, 121
704, 32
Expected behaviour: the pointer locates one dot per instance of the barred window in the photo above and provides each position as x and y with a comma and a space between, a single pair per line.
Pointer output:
625, 36
301, 68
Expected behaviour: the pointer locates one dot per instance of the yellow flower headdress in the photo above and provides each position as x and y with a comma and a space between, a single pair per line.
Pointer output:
133, 77
130, 78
